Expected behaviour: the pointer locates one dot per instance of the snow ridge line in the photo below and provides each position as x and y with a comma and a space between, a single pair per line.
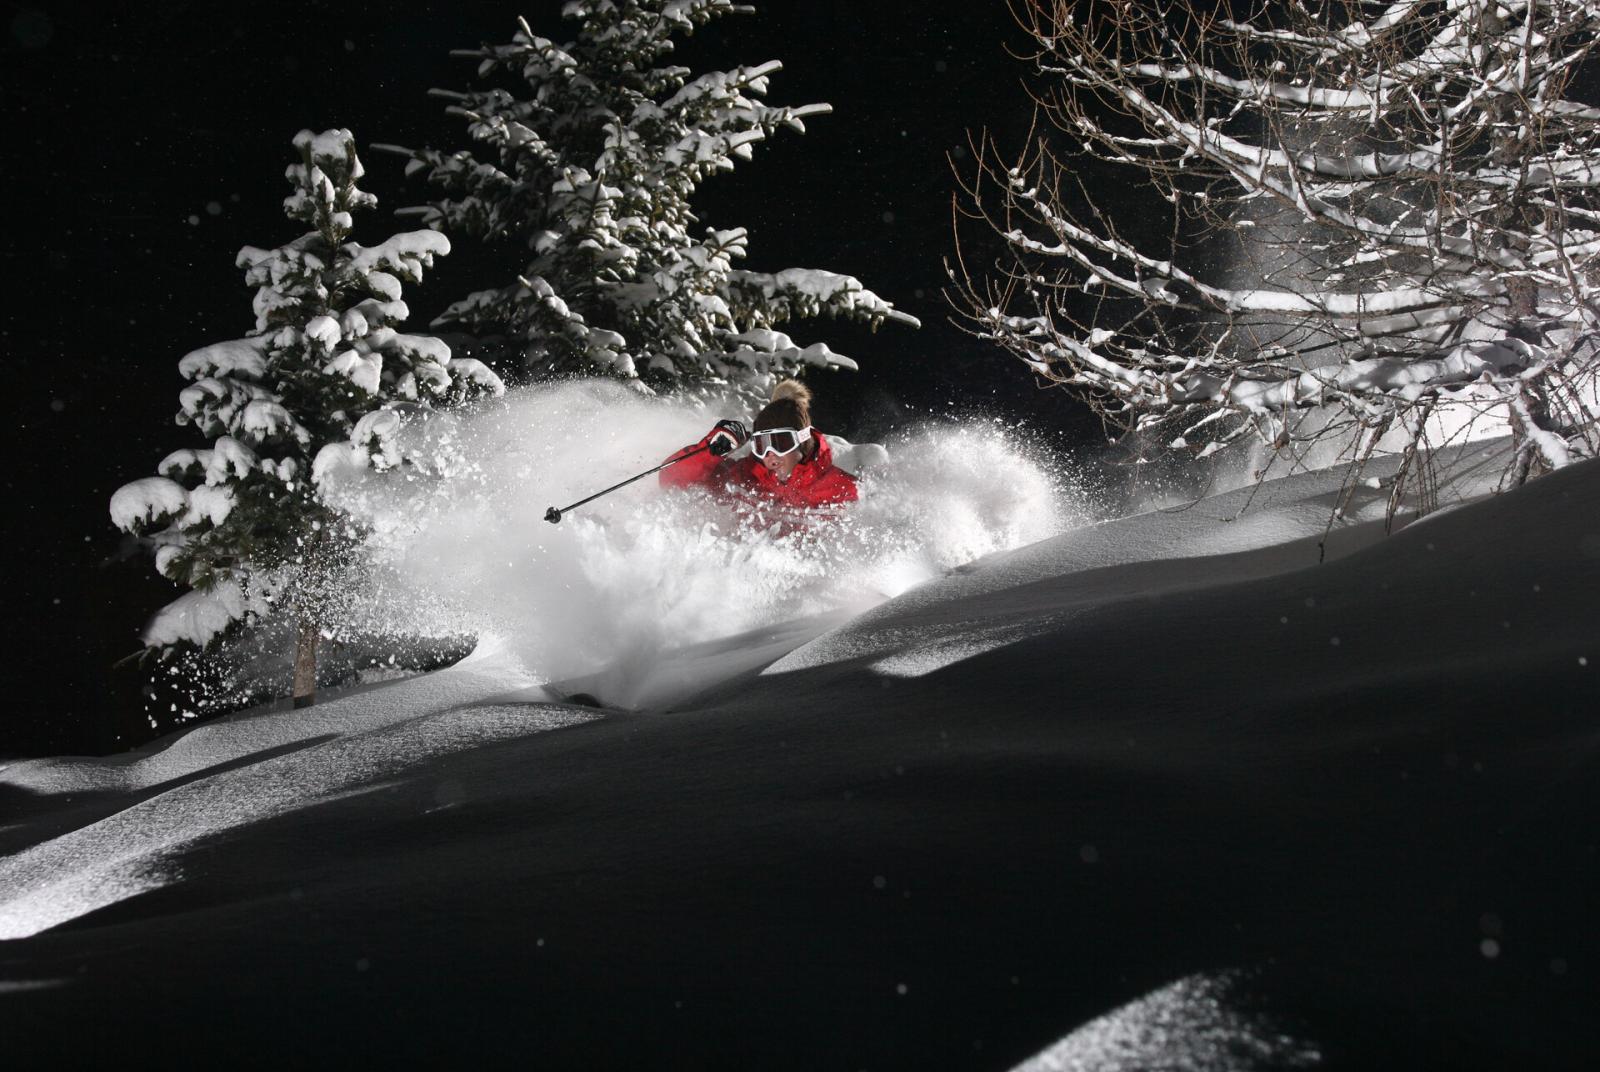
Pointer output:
489, 671
137, 850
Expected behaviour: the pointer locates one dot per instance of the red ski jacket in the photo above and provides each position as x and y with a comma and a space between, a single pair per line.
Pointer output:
815, 481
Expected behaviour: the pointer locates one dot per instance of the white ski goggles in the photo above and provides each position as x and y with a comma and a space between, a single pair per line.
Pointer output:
779, 441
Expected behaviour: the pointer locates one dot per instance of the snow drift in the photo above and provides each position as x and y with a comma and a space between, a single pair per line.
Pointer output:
1320, 800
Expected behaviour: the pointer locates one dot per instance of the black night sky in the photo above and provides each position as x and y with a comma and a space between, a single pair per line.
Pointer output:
147, 144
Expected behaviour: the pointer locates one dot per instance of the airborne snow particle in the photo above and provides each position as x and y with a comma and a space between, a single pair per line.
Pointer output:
1089, 854
56, 405
888, 217
1558, 966
363, 964
213, 208
879, 882
194, 221
349, 46
940, 66
900, 989
1489, 948
1583, 660
1334, 641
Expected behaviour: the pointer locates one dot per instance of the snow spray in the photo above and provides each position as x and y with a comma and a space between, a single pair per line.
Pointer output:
456, 543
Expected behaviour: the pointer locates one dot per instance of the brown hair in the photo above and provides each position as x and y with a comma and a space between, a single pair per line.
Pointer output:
790, 407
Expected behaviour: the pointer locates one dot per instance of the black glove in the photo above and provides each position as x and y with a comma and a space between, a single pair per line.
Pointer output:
727, 437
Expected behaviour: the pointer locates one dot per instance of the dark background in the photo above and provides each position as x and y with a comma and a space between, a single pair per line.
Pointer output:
145, 144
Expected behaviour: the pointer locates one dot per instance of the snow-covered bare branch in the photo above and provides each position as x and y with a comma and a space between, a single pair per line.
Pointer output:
1381, 223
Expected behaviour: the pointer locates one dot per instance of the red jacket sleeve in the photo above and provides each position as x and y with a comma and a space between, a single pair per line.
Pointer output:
696, 470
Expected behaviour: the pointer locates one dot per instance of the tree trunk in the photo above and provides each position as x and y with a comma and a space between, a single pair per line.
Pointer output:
1524, 307
305, 664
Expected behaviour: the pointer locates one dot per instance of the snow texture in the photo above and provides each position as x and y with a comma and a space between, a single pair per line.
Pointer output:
329, 752
195, 617
147, 501
237, 521
1283, 524
1187, 1026
1185, 744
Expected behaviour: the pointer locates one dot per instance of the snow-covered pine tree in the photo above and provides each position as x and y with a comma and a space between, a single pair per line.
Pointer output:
592, 166
240, 521
1417, 183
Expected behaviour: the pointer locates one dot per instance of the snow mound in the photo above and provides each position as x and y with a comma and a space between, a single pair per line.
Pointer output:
244, 772
487, 672
1284, 524
1192, 1025
972, 816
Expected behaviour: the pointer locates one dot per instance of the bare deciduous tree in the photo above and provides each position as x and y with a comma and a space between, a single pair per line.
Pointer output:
1411, 187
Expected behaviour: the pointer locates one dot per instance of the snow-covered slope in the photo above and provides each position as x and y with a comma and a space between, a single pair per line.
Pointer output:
1333, 813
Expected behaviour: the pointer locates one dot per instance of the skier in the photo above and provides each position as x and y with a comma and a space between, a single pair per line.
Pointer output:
789, 464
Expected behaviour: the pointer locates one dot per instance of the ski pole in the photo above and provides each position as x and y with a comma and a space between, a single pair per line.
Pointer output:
553, 515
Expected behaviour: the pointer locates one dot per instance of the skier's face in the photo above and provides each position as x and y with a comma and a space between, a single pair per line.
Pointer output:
781, 465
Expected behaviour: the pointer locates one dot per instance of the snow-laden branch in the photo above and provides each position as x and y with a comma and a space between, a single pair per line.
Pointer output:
240, 520
591, 164
1408, 198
